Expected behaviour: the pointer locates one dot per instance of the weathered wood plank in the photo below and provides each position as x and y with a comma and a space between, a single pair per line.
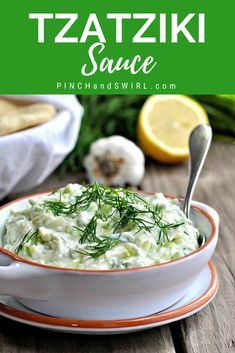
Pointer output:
211, 330
18, 338
151, 341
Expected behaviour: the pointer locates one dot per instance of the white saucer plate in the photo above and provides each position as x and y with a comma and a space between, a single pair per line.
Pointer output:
201, 293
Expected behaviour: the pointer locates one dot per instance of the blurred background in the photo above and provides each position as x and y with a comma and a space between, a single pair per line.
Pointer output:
48, 141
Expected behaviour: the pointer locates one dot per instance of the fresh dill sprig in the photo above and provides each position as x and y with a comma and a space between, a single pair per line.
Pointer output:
90, 193
104, 244
88, 233
128, 211
132, 215
164, 230
56, 207
29, 236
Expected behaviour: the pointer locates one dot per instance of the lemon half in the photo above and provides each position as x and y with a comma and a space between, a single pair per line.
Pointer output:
164, 126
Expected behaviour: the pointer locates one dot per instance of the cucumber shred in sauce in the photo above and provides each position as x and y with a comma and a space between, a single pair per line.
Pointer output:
101, 228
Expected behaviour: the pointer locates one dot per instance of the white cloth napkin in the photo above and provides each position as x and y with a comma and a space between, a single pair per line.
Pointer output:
28, 157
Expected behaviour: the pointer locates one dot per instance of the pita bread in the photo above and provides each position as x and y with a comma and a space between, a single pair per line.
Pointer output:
6, 106
15, 118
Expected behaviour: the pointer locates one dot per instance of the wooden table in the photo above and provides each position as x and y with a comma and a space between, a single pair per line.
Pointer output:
210, 331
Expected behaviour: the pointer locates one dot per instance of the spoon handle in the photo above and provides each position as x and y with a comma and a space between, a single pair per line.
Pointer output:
199, 144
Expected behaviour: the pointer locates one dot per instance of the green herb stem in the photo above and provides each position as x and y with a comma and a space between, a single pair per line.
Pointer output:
31, 236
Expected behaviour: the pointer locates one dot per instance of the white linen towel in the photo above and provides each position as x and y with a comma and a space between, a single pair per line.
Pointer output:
28, 157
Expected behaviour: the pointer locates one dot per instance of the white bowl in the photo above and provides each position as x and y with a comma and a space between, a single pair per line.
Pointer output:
110, 294
29, 156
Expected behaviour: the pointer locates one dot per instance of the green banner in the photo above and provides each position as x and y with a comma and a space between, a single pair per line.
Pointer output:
121, 47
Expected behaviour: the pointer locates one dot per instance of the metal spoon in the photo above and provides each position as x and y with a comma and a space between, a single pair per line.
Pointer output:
199, 144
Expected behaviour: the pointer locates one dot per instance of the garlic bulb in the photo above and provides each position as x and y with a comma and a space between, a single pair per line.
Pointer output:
115, 160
